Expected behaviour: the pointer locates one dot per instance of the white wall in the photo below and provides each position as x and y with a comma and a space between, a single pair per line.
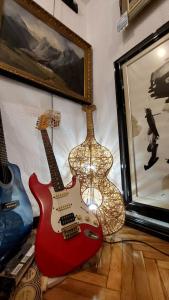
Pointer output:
21, 104
108, 45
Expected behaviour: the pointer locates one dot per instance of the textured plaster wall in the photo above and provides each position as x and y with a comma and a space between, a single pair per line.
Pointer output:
21, 104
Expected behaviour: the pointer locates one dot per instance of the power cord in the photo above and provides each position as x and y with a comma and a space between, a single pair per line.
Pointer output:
137, 241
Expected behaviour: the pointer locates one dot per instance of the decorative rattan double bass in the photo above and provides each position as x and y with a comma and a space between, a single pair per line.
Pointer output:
92, 162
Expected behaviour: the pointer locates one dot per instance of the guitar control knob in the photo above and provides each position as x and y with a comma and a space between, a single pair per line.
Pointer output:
79, 217
87, 219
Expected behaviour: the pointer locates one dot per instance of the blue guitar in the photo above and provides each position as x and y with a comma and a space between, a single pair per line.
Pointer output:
16, 215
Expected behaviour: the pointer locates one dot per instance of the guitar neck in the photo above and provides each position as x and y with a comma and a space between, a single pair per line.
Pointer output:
56, 179
89, 120
3, 152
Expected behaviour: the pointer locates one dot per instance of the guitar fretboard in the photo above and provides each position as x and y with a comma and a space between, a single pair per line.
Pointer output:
56, 179
3, 152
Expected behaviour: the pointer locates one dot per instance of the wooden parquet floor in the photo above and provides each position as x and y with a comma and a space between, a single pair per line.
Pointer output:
122, 271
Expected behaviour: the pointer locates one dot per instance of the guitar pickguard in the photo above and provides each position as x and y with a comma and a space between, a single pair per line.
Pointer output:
68, 204
61, 249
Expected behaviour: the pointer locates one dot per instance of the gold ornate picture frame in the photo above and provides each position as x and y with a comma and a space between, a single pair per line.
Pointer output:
133, 7
38, 49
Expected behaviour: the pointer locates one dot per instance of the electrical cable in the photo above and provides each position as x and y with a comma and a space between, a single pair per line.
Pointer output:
54, 5
137, 241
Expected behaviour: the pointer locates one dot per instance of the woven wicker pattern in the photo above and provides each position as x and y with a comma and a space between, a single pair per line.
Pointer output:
92, 162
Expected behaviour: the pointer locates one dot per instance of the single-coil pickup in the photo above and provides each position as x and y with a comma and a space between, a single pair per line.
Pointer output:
60, 195
63, 207
56, 195
70, 232
67, 219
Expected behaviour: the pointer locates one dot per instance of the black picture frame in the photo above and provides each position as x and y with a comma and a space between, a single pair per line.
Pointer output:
138, 215
39, 50
72, 4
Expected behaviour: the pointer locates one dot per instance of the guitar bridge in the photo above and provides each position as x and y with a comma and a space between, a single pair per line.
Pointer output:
70, 231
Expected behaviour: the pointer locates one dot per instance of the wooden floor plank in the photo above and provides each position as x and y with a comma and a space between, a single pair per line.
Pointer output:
104, 263
141, 278
115, 273
156, 255
127, 286
161, 245
165, 279
122, 271
154, 279
92, 264
143, 247
89, 290
145, 238
60, 294
163, 264
89, 277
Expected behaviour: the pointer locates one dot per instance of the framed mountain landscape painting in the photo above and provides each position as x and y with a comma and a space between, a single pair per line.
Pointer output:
38, 49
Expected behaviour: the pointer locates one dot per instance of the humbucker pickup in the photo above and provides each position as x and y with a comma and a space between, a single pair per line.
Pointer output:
67, 219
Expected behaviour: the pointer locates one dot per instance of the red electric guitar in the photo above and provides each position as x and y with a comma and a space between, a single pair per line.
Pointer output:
68, 233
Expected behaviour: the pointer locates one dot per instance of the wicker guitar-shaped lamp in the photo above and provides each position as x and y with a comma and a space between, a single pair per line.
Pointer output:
92, 162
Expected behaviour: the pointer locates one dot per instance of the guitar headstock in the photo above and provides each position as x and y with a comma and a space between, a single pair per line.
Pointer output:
54, 118
49, 119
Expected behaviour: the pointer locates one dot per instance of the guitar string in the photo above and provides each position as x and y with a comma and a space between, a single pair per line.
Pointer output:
91, 189
52, 97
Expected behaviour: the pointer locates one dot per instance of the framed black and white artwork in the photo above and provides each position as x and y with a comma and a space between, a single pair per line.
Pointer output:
142, 90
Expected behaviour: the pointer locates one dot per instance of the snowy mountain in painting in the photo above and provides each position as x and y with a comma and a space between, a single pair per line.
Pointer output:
16, 33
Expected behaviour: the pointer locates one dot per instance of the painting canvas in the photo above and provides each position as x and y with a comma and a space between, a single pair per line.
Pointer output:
146, 85
37, 47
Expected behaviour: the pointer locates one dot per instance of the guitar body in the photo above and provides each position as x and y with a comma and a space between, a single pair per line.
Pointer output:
16, 215
90, 152
56, 251
111, 212
92, 163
